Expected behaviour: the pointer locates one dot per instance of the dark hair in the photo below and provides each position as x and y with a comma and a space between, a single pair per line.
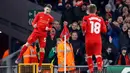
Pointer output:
49, 6
74, 22
125, 6
54, 27
92, 8
74, 32
124, 48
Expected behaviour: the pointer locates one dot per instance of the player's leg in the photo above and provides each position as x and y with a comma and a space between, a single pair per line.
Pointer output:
24, 48
89, 58
42, 41
90, 63
98, 51
99, 62
32, 38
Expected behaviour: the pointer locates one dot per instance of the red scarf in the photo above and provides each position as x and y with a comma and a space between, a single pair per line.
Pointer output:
127, 60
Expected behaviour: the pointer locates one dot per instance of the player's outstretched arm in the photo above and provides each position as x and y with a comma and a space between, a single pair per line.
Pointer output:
103, 27
83, 26
34, 22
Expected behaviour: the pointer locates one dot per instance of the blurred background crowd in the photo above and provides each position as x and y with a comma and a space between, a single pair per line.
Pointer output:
116, 42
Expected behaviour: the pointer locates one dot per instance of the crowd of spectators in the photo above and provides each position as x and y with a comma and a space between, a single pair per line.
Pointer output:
116, 15
116, 42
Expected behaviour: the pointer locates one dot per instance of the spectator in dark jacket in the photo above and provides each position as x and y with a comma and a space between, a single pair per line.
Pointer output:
120, 20
50, 43
127, 21
67, 14
76, 27
108, 56
79, 12
100, 4
123, 41
58, 28
108, 11
125, 12
83, 11
123, 58
78, 48
128, 38
118, 11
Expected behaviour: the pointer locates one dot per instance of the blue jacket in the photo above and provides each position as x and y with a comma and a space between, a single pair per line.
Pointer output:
114, 32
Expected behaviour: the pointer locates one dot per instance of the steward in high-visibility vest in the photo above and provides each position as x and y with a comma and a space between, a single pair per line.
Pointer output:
6, 53
30, 55
69, 56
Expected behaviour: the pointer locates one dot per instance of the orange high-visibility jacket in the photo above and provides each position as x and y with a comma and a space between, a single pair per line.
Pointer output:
69, 56
6, 53
30, 55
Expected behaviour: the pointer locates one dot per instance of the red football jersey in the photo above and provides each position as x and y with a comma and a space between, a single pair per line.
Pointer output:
92, 26
42, 20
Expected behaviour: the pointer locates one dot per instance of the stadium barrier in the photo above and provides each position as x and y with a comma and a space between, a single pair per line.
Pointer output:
81, 69
33, 68
46, 68
49, 68
3, 69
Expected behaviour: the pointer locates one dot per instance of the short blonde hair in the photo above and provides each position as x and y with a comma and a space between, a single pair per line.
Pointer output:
92, 8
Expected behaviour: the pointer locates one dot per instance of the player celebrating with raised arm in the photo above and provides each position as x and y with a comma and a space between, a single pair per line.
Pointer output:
41, 24
92, 27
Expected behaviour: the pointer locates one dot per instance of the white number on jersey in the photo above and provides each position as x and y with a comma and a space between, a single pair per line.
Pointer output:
95, 27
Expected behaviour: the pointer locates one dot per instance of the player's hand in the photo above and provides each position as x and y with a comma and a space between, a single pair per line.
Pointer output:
77, 51
120, 5
46, 28
35, 26
110, 61
83, 33
110, 20
110, 39
78, 3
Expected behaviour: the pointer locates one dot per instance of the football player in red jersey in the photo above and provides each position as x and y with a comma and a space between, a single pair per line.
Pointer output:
92, 27
42, 23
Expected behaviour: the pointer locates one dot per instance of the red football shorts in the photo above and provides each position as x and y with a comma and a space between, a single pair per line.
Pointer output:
34, 36
93, 49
